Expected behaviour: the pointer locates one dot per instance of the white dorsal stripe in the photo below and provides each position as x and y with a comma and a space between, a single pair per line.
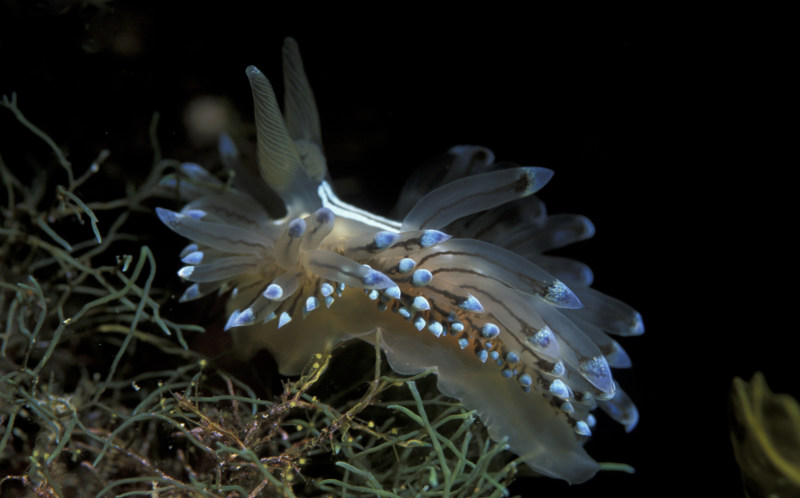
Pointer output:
340, 208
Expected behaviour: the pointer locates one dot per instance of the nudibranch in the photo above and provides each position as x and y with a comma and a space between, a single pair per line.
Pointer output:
460, 285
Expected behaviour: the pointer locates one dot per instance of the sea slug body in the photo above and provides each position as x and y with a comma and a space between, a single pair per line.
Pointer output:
460, 284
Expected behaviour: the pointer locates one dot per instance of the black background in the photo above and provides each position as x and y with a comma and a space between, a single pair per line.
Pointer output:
667, 129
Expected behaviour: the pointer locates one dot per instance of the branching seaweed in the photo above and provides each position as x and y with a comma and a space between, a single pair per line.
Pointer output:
101, 394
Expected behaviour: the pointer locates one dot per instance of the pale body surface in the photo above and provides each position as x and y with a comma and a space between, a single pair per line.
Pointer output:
460, 285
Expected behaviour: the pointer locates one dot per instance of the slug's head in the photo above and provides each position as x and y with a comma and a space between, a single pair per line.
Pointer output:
290, 155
